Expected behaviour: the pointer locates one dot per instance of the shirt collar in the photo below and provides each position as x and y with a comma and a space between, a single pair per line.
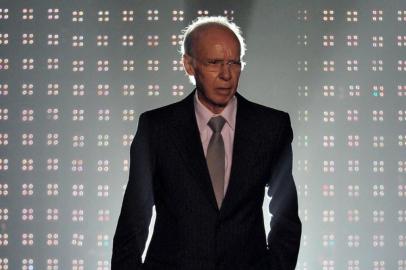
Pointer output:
203, 114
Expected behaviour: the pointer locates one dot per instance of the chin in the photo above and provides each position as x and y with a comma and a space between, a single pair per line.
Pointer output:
222, 102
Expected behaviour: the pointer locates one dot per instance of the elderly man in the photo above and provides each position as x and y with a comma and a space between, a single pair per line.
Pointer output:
204, 162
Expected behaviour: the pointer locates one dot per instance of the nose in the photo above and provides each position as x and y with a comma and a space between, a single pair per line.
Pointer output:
225, 72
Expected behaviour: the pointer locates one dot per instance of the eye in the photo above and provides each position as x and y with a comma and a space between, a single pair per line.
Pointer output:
214, 62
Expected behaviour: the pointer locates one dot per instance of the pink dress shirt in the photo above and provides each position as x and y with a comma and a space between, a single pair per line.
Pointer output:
203, 116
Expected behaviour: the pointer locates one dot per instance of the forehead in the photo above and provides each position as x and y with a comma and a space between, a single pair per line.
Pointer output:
211, 39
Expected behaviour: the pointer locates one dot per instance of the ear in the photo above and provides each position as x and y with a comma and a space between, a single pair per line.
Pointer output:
188, 65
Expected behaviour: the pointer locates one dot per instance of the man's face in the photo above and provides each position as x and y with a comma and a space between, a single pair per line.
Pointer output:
215, 65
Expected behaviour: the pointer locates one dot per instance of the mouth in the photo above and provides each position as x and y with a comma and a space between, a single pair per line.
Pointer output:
223, 91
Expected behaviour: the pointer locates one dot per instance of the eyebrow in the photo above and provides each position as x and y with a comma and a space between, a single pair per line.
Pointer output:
219, 59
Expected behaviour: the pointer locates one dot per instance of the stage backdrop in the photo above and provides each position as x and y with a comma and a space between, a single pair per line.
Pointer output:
75, 76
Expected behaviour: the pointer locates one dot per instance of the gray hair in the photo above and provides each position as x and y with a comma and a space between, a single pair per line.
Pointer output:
187, 42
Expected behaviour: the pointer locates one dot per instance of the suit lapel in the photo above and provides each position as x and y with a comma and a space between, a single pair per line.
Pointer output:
244, 150
186, 137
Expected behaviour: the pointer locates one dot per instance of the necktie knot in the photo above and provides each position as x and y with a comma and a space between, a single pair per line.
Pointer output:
216, 123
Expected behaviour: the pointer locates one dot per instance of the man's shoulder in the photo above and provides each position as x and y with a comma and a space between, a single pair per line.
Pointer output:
266, 117
166, 112
162, 110
261, 108
263, 111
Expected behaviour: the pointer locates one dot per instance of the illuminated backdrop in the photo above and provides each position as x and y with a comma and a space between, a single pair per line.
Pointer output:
75, 76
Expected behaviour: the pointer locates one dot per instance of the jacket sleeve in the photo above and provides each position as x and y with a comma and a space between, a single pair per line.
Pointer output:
136, 211
286, 227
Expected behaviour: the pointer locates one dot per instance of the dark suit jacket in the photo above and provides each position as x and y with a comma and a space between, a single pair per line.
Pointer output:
168, 169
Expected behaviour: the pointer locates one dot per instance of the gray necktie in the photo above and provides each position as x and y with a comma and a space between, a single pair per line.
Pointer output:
215, 157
